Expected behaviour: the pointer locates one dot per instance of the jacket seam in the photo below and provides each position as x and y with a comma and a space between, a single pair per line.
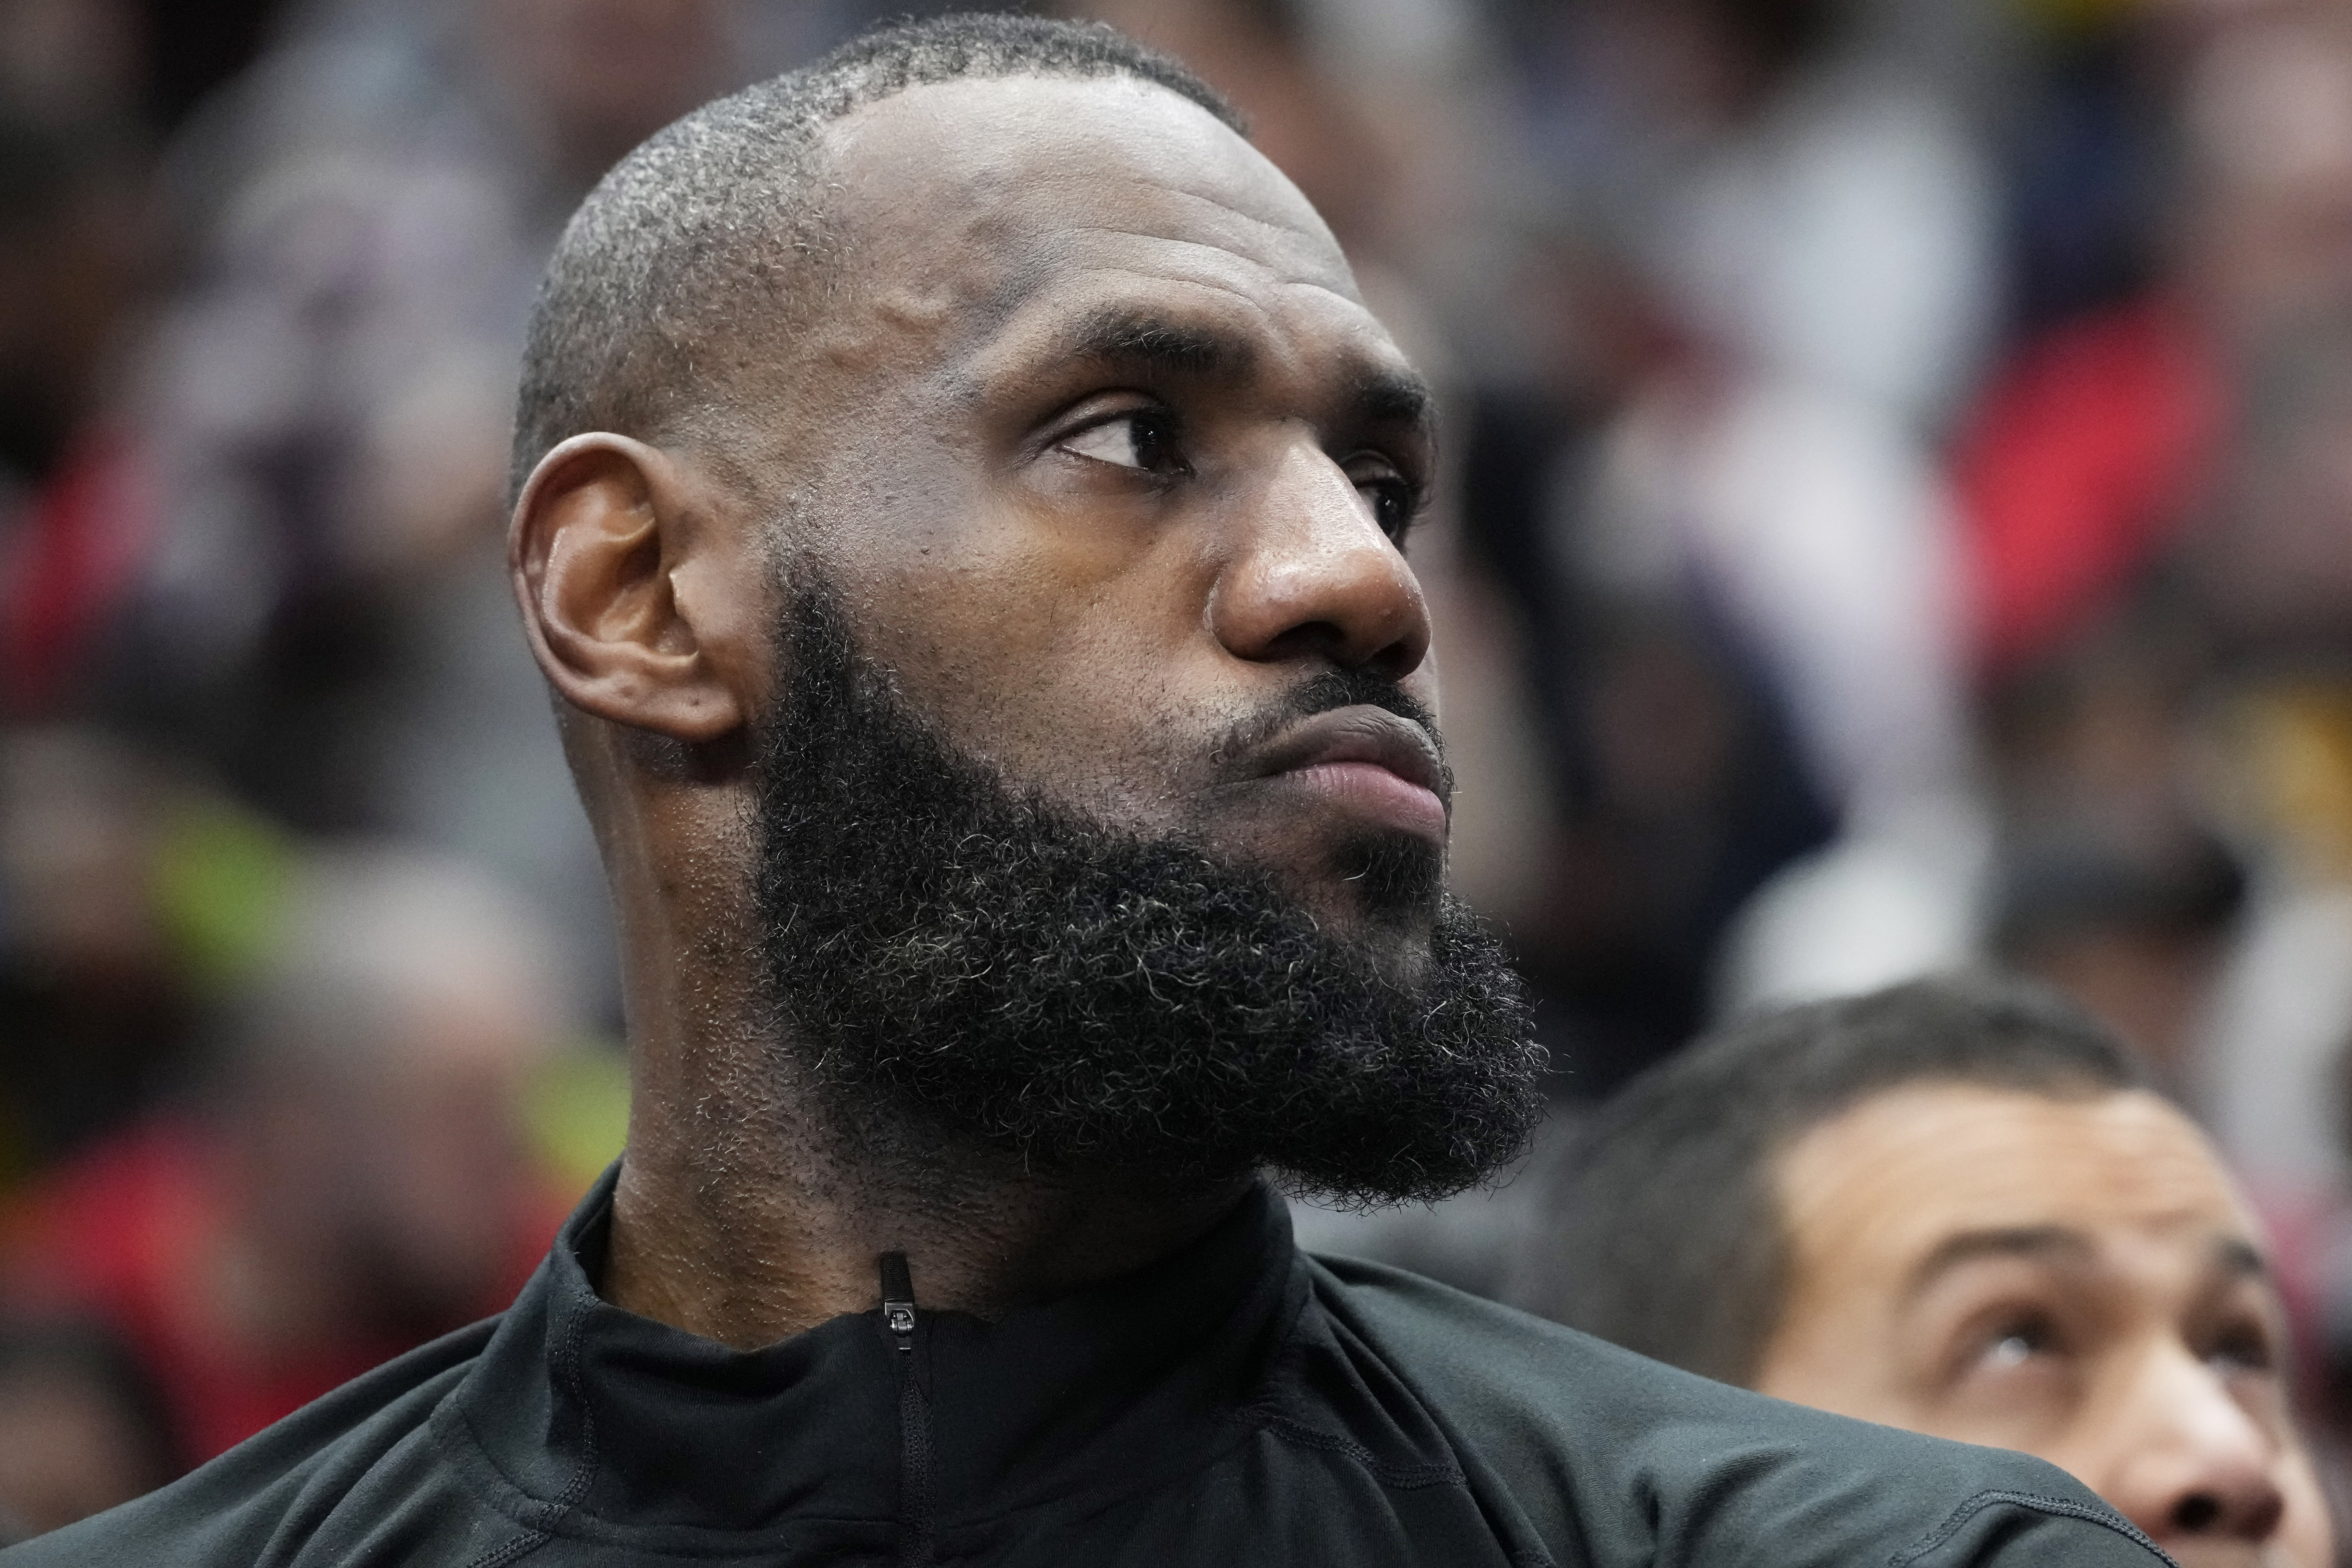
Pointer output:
1406, 1478
449, 1430
519, 1547
583, 1473
2061, 1507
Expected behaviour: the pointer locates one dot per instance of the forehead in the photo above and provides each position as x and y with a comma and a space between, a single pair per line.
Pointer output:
968, 205
1880, 1186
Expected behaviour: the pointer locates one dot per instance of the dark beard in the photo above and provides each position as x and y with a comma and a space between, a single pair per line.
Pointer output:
943, 950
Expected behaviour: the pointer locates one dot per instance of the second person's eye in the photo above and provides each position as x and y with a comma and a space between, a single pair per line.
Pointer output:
1144, 440
2018, 1342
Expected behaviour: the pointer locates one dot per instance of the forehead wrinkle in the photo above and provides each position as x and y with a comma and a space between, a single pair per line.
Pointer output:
1034, 200
1283, 269
1277, 279
1032, 253
1206, 198
1286, 233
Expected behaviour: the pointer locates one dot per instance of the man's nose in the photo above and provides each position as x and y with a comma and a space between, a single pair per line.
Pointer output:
2191, 1463
1308, 573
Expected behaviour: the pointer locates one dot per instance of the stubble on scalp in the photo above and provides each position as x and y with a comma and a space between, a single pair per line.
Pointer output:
711, 246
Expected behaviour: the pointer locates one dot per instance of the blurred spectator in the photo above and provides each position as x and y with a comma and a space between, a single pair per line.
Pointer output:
327, 620
2091, 446
1700, 471
95, 1005
355, 1179
2084, 125
145, 62
2284, 762
80, 1427
1953, 1206
2265, 557
75, 512
2132, 920
1813, 534
2262, 566
1739, 594
1813, 203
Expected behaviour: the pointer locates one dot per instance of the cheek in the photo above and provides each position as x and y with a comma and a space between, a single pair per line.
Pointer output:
2036, 1407
1829, 1350
1063, 658
2306, 1531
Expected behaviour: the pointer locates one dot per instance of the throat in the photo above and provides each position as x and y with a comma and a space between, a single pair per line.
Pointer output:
749, 1262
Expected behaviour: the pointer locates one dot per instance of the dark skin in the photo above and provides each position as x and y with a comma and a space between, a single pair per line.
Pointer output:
1106, 458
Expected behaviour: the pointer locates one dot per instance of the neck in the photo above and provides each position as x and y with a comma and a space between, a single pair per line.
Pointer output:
748, 1212
785, 1233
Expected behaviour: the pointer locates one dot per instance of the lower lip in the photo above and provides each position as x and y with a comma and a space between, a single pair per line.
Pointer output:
1368, 789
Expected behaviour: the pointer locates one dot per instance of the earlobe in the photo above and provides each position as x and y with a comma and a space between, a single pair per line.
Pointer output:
599, 534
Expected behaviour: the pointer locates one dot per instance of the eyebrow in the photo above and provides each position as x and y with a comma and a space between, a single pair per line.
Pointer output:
2047, 1243
1386, 396
1128, 336
2234, 1255
1123, 335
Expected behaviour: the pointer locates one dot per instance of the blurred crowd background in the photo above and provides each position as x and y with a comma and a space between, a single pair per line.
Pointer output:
1899, 514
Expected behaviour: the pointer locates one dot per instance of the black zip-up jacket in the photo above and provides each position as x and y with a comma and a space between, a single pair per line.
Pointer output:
1236, 1403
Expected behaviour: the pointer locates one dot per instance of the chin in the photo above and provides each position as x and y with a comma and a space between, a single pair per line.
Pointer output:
1390, 882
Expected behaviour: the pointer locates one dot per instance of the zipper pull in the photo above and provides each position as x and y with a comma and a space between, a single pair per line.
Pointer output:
914, 1417
899, 1300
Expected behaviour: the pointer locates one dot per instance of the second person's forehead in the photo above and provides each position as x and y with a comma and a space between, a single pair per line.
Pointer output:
1916, 1164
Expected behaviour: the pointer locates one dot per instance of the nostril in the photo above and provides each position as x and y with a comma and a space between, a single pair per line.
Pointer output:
2249, 1513
2197, 1513
1326, 639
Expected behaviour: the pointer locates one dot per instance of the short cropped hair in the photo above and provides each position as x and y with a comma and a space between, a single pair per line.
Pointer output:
702, 246
1663, 1233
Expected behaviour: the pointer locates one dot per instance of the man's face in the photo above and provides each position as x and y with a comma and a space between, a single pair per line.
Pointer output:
1109, 463
2073, 1279
1101, 814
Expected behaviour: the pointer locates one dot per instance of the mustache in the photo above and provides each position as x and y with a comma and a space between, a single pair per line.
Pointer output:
1321, 694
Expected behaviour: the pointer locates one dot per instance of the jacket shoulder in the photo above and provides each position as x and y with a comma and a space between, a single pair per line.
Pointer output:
313, 1482
1614, 1458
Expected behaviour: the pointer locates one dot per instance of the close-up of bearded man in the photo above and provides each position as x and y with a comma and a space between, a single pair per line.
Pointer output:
960, 505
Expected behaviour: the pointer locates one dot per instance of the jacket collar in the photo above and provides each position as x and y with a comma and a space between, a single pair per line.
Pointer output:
597, 1411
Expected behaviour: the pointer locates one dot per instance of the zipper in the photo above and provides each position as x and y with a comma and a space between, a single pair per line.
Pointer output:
914, 1416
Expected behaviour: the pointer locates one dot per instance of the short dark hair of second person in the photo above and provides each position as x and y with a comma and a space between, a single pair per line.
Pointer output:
1663, 1234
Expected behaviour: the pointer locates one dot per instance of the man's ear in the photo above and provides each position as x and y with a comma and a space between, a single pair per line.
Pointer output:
600, 534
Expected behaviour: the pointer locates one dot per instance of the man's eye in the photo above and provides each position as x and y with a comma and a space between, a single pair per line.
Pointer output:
1392, 505
1144, 440
1395, 500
